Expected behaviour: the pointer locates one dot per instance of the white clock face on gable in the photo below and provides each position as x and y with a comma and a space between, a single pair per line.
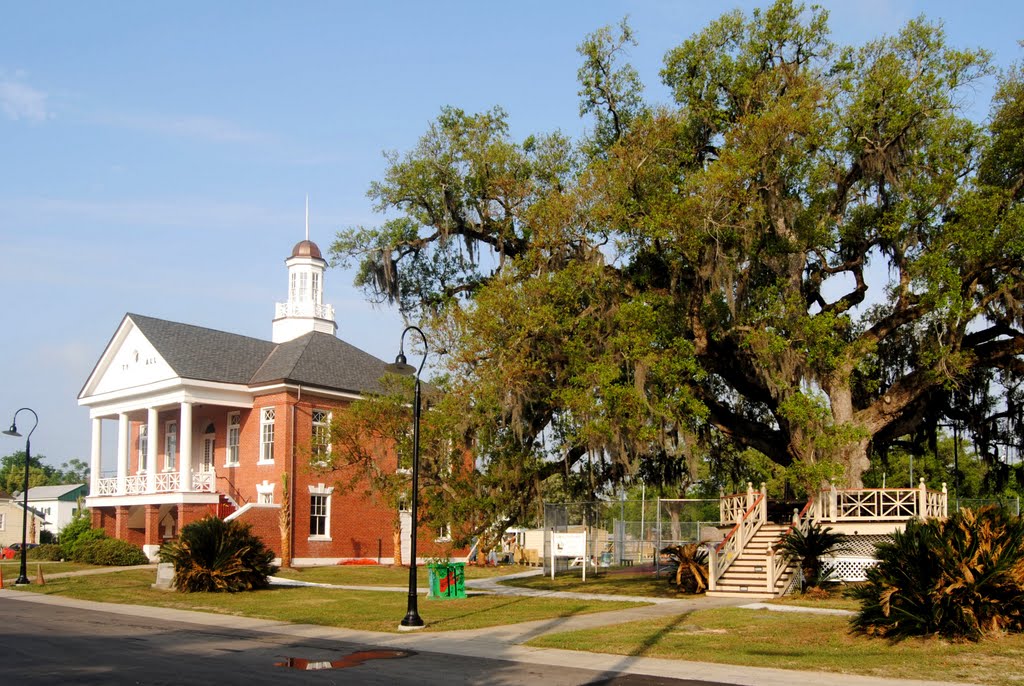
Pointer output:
135, 363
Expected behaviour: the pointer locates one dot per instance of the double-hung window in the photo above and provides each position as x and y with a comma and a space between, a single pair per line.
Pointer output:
321, 434
171, 446
143, 446
320, 512
234, 431
267, 434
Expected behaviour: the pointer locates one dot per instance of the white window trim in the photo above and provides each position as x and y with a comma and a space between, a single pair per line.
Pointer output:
263, 423
265, 490
227, 448
327, 426
320, 489
3, 521
168, 467
444, 534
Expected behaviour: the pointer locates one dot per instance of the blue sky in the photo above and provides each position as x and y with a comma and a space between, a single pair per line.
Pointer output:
155, 157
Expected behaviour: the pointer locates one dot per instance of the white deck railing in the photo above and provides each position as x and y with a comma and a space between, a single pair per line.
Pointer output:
166, 482
726, 552
881, 504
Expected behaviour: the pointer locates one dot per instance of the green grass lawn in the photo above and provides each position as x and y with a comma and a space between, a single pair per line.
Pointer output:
364, 610
384, 575
613, 583
11, 568
790, 640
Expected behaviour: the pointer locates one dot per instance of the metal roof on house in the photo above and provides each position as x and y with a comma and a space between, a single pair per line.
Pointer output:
313, 359
52, 492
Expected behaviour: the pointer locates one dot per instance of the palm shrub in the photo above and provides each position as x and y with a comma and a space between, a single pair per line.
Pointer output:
45, 551
691, 561
810, 546
962, 578
214, 555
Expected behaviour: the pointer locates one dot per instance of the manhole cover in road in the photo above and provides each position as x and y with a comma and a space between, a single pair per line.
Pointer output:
351, 660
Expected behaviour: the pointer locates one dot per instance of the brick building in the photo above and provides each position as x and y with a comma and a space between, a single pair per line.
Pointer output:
208, 422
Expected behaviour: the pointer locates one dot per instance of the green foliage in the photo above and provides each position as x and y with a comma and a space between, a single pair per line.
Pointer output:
962, 578
110, 552
686, 286
77, 533
810, 547
46, 551
691, 567
12, 472
212, 555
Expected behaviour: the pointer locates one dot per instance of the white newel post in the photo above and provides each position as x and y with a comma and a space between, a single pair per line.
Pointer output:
122, 453
764, 503
185, 439
95, 456
750, 495
945, 501
152, 433
833, 502
922, 500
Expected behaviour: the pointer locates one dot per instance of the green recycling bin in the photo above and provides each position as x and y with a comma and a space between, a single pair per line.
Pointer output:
447, 580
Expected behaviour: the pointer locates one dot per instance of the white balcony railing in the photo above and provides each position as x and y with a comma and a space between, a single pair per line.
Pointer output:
282, 310
165, 482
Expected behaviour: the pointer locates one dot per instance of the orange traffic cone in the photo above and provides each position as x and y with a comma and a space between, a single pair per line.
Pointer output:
39, 575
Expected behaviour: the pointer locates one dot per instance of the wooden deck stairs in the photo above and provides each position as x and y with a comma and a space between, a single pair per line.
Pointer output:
747, 576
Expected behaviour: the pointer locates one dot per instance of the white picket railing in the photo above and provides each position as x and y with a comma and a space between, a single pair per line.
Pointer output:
202, 481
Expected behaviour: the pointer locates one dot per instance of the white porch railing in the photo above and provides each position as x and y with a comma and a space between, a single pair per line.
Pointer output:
778, 561
726, 552
166, 482
881, 504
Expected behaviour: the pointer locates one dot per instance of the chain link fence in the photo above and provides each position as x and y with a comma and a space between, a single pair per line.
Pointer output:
1011, 505
628, 533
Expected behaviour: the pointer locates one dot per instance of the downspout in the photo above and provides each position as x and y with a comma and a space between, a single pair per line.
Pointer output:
291, 491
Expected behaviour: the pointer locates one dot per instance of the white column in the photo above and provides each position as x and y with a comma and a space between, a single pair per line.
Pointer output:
152, 433
95, 457
185, 438
122, 453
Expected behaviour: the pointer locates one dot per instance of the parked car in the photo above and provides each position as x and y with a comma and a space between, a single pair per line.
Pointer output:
14, 550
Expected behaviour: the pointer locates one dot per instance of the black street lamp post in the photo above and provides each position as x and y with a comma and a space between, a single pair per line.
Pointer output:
13, 431
412, 618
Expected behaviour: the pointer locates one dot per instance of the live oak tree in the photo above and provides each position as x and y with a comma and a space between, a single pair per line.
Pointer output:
809, 255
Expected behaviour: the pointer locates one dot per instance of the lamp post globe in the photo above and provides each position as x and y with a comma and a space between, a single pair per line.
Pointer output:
13, 431
412, 618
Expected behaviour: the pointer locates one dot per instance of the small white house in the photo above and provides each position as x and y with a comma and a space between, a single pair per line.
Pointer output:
58, 504
11, 515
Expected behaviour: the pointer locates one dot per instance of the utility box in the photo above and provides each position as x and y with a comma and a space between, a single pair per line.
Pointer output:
447, 580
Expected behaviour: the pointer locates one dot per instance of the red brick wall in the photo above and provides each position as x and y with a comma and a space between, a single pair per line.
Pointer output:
264, 522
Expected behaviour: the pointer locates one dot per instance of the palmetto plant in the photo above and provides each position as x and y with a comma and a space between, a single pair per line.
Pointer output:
810, 546
214, 555
691, 566
962, 578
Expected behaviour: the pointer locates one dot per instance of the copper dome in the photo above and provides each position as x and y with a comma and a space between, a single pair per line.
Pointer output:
306, 248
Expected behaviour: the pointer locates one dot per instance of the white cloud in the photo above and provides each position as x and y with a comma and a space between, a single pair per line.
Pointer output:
204, 128
20, 101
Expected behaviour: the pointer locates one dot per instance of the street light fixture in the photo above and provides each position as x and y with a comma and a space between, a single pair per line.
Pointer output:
13, 431
412, 618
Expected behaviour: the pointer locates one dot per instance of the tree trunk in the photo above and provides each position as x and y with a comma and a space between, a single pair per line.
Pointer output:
397, 541
285, 523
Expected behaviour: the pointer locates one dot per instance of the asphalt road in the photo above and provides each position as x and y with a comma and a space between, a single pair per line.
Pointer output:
47, 645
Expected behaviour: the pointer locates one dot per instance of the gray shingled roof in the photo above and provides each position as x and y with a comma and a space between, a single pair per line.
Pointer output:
195, 352
314, 359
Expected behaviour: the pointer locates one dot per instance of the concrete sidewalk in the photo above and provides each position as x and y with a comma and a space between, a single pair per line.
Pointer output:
504, 642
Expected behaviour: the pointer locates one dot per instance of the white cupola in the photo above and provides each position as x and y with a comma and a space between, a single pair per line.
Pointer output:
305, 310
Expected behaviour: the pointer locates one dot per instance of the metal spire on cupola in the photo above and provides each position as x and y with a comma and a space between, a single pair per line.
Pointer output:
305, 310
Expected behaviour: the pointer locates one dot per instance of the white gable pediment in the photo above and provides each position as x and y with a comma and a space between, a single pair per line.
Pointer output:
130, 361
